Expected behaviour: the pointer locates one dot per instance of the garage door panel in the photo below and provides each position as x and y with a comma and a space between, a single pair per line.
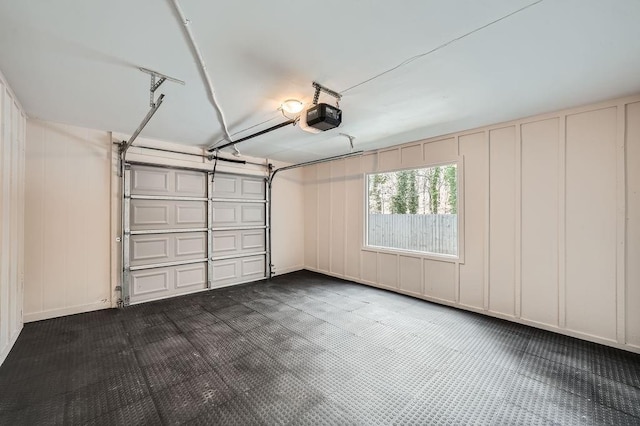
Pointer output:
238, 242
150, 180
191, 245
190, 184
238, 270
161, 248
225, 186
225, 270
224, 244
145, 248
167, 214
148, 215
149, 282
252, 266
229, 214
252, 214
238, 187
253, 240
252, 189
157, 283
191, 214
190, 276
224, 214
147, 180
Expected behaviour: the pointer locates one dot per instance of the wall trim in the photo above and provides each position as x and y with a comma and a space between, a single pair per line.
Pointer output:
5, 351
562, 219
518, 223
14, 98
54, 313
287, 270
621, 223
486, 261
529, 323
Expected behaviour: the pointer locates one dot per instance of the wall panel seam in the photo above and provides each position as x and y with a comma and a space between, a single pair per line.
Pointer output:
317, 225
330, 203
518, 222
345, 220
562, 234
621, 210
487, 225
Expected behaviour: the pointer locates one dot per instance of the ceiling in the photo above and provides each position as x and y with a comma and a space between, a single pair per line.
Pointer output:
76, 62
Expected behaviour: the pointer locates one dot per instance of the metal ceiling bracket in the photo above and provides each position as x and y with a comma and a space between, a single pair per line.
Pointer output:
320, 88
156, 81
351, 138
155, 85
158, 74
152, 90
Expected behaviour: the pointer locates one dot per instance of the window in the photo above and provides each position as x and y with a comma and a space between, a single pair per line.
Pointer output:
414, 210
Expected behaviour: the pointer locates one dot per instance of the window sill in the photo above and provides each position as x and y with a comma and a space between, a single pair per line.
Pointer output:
417, 254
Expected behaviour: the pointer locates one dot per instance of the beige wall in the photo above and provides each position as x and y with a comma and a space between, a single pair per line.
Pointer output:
12, 136
551, 222
287, 221
73, 216
67, 220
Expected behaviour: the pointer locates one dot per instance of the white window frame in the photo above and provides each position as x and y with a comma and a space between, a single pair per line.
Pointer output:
459, 258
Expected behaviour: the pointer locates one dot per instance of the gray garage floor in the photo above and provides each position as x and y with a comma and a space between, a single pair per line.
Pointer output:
309, 349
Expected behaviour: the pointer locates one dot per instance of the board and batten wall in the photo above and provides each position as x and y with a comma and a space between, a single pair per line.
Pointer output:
73, 216
550, 222
12, 172
67, 265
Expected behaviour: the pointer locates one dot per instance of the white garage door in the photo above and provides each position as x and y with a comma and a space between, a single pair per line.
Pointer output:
166, 232
238, 223
184, 234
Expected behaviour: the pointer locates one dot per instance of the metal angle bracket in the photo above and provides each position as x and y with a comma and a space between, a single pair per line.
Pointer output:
320, 88
156, 81
152, 89
351, 138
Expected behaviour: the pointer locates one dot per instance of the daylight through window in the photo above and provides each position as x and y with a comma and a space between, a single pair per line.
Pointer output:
414, 210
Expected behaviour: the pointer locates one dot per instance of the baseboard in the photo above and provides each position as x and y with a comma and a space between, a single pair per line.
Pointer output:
331, 274
288, 269
54, 313
567, 332
5, 351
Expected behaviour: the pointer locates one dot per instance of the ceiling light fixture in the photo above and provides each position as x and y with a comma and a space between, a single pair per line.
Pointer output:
292, 106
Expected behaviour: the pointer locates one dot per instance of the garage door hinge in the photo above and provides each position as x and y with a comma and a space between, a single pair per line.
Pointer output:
123, 302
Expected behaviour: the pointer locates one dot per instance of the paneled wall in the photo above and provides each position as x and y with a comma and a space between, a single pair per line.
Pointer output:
550, 221
287, 221
67, 265
12, 136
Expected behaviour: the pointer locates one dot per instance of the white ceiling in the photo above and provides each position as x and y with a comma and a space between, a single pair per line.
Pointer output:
76, 62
